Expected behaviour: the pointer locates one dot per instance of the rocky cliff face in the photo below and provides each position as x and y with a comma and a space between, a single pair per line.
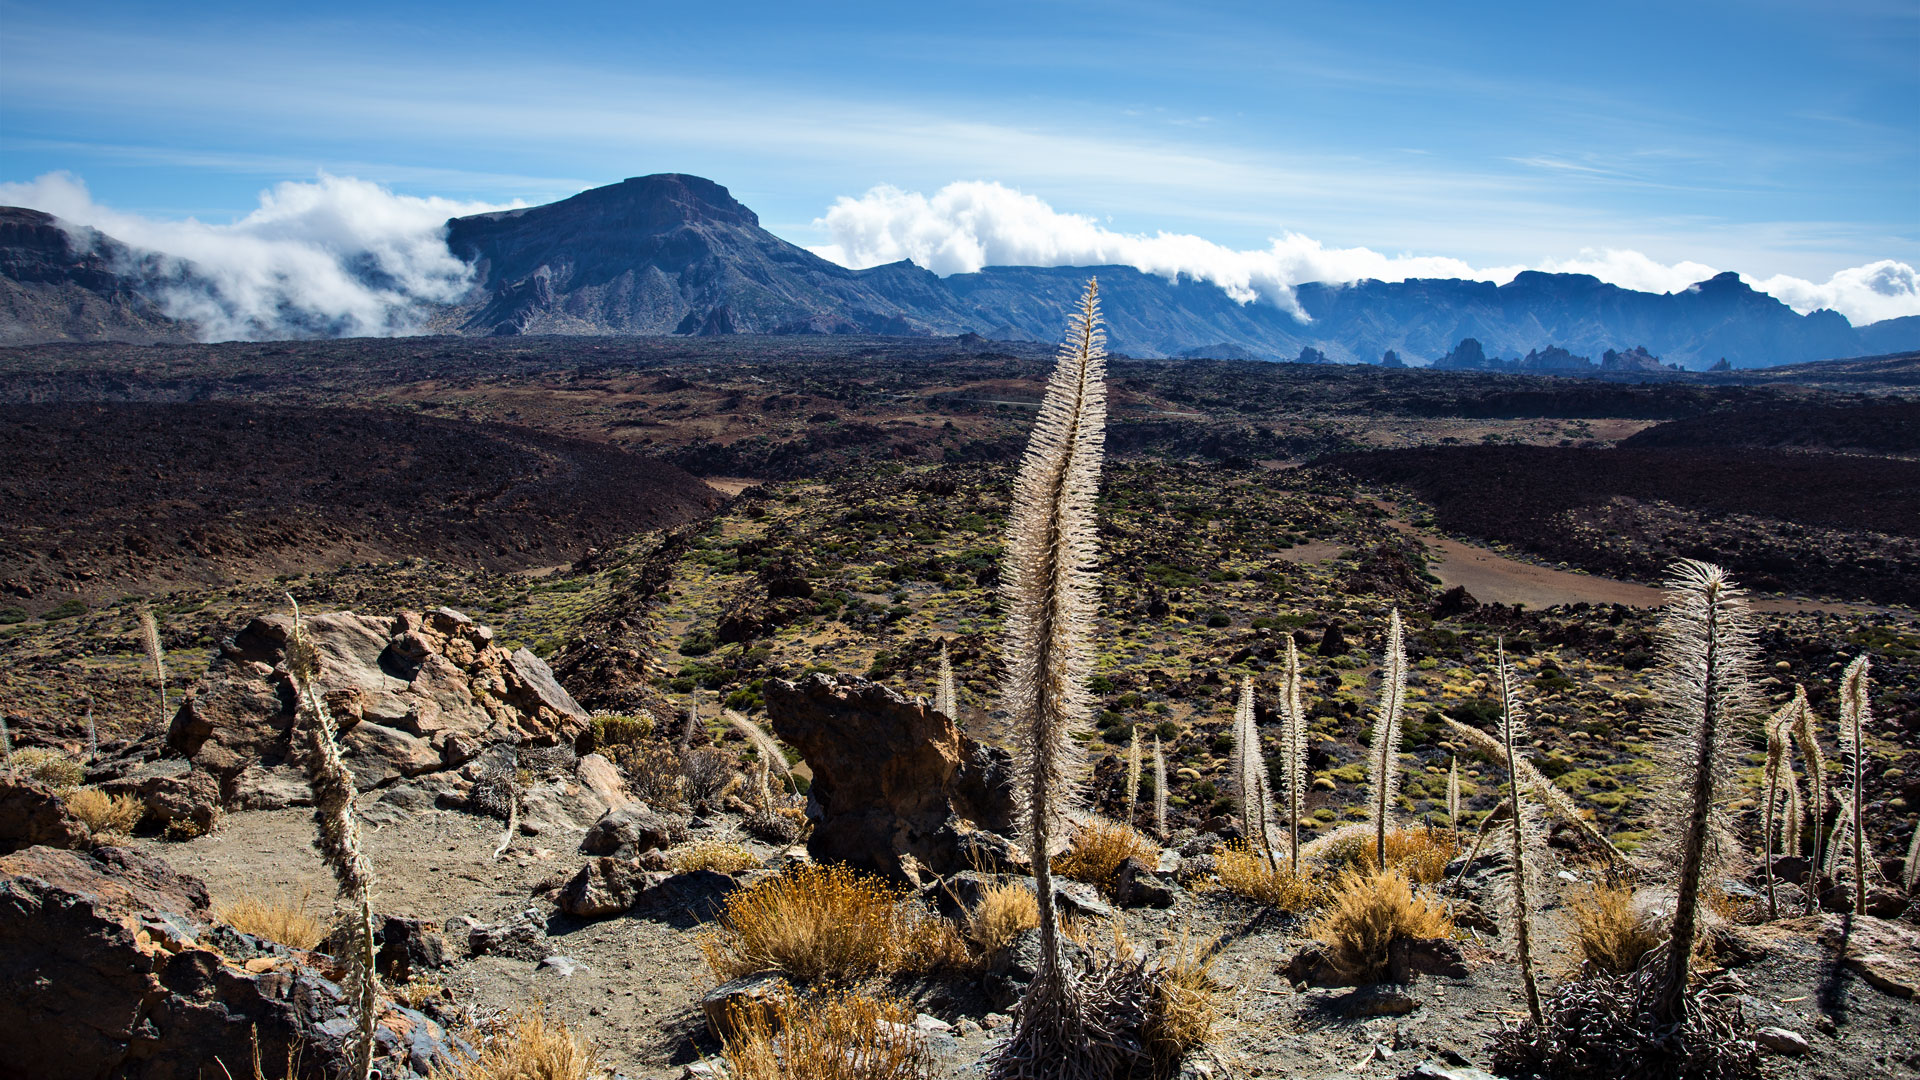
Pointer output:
62, 283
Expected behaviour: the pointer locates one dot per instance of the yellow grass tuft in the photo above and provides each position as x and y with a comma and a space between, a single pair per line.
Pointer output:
1419, 854
1368, 911
50, 767
1185, 1007
1097, 851
526, 1046
1004, 911
282, 919
815, 922
1611, 934
721, 858
1244, 873
104, 814
830, 1036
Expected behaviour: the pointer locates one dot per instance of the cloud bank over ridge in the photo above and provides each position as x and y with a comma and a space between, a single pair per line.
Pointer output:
968, 225
338, 256
329, 257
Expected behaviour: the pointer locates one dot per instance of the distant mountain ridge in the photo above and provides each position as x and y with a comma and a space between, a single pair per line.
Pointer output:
677, 254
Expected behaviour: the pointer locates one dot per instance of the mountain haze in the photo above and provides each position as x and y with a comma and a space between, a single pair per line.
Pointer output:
677, 254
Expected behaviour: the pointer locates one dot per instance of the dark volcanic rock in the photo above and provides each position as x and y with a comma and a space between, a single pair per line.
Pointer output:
631, 829
32, 814
109, 960
891, 776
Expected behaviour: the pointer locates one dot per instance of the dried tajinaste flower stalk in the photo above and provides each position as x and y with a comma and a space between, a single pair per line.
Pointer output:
339, 836
1705, 687
1383, 756
1049, 589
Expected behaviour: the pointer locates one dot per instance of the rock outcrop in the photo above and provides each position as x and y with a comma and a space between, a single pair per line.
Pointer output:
413, 694
33, 814
895, 783
112, 964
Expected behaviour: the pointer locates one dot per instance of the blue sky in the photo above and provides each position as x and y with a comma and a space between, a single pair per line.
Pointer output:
1770, 138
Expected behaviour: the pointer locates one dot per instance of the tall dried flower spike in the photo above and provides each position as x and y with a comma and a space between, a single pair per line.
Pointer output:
1818, 795
1910, 873
1249, 770
1537, 786
1453, 793
1133, 774
1048, 586
1526, 831
1159, 789
1779, 771
690, 726
339, 836
1854, 716
1293, 752
156, 656
945, 699
1383, 756
1705, 687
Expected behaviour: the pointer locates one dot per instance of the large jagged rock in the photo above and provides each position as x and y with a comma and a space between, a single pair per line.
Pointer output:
895, 783
413, 694
112, 964
33, 814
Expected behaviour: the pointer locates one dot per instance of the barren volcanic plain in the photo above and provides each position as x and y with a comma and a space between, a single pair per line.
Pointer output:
666, 523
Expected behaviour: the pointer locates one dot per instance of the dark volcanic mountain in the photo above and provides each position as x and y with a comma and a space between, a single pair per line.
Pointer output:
676, 254
665, 254
65, 283
673, 254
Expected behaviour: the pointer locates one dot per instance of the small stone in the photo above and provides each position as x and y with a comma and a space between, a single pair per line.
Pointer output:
563, 966
1782, 1041
993, 1020
1377, 1000
1428, 1070
967, 1027
928, 1024
738, 998
704, 1070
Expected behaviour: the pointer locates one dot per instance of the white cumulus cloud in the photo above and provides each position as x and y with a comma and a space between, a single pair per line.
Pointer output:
968, 225
333, 256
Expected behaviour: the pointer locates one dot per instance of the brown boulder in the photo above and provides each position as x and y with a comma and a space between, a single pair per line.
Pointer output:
892, 777
607, 886
631, 829
32, 814
185, 801
412, 694
111, 961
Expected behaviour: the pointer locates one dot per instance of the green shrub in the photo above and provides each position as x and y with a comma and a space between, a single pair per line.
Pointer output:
67, 610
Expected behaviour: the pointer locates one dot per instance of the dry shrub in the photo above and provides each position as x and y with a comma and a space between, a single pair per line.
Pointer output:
50, 767
619, 729
1097, 851
830, 1036
721, 858
106, 815
525, 1046
1367, 912
1421, 855
282, 919
1610, 932
1005, 910
1244, 873
707, 775
779, 825
1185, 1007
815, 922
652, 772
